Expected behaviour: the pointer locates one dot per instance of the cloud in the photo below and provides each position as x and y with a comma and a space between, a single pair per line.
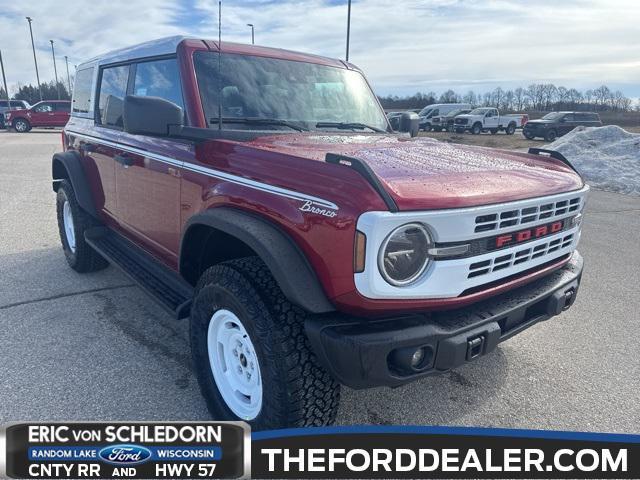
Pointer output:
402, 46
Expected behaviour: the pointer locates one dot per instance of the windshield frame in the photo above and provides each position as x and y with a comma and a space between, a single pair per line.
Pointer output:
354, 86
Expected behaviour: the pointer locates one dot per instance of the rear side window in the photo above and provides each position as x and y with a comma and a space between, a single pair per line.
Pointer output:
82, 91
159, 78
63, 107
113, 88
16, 104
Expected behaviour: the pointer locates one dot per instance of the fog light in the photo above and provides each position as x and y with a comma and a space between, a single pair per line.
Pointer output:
417, 358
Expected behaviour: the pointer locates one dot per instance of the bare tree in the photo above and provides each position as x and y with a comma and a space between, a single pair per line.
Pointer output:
519, 98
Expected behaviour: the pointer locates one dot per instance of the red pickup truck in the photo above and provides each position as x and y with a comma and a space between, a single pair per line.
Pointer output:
262, 194
50, 113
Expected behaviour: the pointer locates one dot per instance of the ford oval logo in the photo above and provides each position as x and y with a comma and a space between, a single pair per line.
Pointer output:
125, 454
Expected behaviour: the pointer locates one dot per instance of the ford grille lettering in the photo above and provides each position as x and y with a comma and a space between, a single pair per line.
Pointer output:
529, 234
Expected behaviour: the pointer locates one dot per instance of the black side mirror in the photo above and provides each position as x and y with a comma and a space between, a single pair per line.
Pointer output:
150, 115
409, 122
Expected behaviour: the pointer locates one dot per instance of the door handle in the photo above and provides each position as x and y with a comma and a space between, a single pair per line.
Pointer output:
124, 159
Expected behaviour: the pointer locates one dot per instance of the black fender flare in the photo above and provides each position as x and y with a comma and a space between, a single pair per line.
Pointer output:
287, 263
70, 162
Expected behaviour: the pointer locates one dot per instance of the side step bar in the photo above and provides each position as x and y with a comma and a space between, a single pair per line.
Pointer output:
161, 283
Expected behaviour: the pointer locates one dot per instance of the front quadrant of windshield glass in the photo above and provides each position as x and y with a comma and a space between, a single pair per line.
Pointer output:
270, 88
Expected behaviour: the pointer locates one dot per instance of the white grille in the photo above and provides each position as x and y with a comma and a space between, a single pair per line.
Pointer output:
451, 277
501, 261
531, 214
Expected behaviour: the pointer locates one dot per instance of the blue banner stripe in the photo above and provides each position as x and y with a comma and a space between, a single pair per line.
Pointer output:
75, 453
437, 430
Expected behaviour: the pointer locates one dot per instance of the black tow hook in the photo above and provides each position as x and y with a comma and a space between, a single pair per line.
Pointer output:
475, 347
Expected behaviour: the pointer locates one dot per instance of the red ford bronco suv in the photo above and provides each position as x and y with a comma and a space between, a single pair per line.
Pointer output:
262, 193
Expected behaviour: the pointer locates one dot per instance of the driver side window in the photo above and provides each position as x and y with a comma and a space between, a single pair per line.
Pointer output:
44, 107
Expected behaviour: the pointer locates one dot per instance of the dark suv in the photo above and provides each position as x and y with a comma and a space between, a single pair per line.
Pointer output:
556, 124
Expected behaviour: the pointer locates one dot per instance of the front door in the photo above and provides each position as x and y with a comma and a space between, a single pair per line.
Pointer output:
148, 169
491, 119
43, 114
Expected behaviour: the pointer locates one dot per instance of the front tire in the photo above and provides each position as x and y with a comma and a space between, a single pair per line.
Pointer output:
476, 129
528, 135
72, 223
550, 136
239, 316
21, 125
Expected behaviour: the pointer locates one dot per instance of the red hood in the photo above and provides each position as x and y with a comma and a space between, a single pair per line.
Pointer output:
423, 173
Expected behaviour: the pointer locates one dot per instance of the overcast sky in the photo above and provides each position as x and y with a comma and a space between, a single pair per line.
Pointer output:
404, 46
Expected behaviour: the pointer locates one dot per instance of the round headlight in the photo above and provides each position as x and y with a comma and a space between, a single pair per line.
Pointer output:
403, 255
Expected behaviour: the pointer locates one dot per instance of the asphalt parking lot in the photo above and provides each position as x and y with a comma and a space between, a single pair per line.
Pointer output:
94, 347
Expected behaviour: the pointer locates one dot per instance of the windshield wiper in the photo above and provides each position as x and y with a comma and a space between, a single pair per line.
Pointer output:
260, 121
348, 126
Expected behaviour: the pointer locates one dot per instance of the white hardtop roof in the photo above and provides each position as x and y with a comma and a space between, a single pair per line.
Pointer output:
153, 48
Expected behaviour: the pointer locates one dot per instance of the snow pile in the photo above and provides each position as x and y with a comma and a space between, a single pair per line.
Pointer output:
608, 157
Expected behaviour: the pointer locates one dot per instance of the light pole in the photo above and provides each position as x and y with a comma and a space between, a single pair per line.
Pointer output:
348, 28
33, 46
253, 41
55, 69
4, 80
66, 61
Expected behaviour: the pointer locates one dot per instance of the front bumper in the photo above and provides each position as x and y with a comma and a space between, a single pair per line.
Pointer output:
364, 353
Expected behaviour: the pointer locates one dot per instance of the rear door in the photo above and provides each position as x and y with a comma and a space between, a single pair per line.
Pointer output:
567, 124
148, 185
112, 88
61, 113
42, 114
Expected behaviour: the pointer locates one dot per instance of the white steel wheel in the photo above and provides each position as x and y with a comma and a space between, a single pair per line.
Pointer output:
234, 364
70, 233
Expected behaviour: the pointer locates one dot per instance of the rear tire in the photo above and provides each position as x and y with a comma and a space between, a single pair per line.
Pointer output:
72, 223
427, 128
550, 136
476, 129
21, 125
511, 129
528, 135
294, 389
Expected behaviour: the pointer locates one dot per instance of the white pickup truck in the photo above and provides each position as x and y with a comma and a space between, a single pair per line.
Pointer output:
488, 119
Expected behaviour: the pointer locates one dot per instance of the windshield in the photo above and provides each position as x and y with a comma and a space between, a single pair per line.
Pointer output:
284, 94
553, 116
479, 111
425, 111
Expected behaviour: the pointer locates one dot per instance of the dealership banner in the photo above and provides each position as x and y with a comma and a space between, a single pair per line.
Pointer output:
227, 450
125, 450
